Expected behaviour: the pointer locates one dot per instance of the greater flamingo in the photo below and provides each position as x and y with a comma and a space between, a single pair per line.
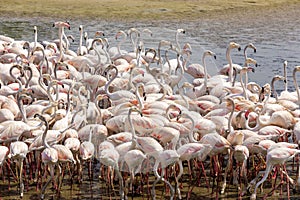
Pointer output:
274, 157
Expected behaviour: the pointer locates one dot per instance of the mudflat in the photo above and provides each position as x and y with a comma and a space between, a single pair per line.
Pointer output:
138, 10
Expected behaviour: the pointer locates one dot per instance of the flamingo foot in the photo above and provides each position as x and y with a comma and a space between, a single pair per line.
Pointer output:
223, 188
235, 182
253, 197
244, 193
21, 190
250, 185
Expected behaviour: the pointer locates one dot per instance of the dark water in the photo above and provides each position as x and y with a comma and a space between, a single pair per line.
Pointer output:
275, 34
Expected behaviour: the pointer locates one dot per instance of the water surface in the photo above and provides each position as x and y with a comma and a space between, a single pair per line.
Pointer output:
275, 33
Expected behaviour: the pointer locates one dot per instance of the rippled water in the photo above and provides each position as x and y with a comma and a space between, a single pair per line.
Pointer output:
276, 34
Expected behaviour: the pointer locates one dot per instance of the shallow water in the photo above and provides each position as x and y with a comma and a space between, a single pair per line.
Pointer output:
275, 33
194, 187
276, 36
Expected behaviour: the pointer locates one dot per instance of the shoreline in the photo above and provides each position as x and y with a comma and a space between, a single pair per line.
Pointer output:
137, 10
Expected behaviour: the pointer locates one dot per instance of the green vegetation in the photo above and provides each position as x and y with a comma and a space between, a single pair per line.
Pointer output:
132, 10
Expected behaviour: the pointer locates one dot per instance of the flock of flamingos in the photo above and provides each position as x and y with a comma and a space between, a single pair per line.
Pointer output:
134, 113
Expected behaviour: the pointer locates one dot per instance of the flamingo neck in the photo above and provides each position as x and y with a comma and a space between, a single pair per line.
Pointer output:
91, 134
120, 43
285, 78
138, 95
60, 35
30, 76
244, 85
109, 94
296, 85
45, 143
187, 105
80, 42
191, 132
21, 107
257, 126
133, 141
273, 89
228, 57
205, 72
98, 56
230, 129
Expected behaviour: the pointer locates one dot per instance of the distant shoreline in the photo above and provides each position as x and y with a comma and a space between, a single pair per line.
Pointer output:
137, 10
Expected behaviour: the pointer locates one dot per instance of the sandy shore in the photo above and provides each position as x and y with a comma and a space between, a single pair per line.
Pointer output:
137, 10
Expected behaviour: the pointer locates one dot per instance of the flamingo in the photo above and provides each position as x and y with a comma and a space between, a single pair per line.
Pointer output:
18, 152
148, 145
277, 156
116, 52
237, 91
117, 96
100, 133
82, 50
283, 119
35, 43
285, 94
192, 70
164, 159
49, 154
241, 155
4, 152
178, 31
110, 157
296, 69
187, 152
61, 25
87, 150
287, 103
249, 45
135, 41
166, 135
232, 45
134, 159
89, 41
200, 71
220, 145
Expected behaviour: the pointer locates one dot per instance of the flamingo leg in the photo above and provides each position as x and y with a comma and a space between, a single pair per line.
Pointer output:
178, 177
121, 182
49, 180
38, 170
21, 179
245, 177
268, 169
226, 171
203, 170
298, 170
158, 178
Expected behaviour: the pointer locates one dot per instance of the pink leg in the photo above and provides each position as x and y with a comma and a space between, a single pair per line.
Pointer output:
204, 173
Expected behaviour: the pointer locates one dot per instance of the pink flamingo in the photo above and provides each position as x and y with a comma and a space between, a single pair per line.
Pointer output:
87, 150
187, 152
277, 156
49, 154
18, 152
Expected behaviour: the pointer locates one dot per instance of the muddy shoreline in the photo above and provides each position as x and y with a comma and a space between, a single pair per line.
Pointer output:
154, 11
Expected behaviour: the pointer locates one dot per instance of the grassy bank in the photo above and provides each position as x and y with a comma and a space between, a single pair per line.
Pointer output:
134, 9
